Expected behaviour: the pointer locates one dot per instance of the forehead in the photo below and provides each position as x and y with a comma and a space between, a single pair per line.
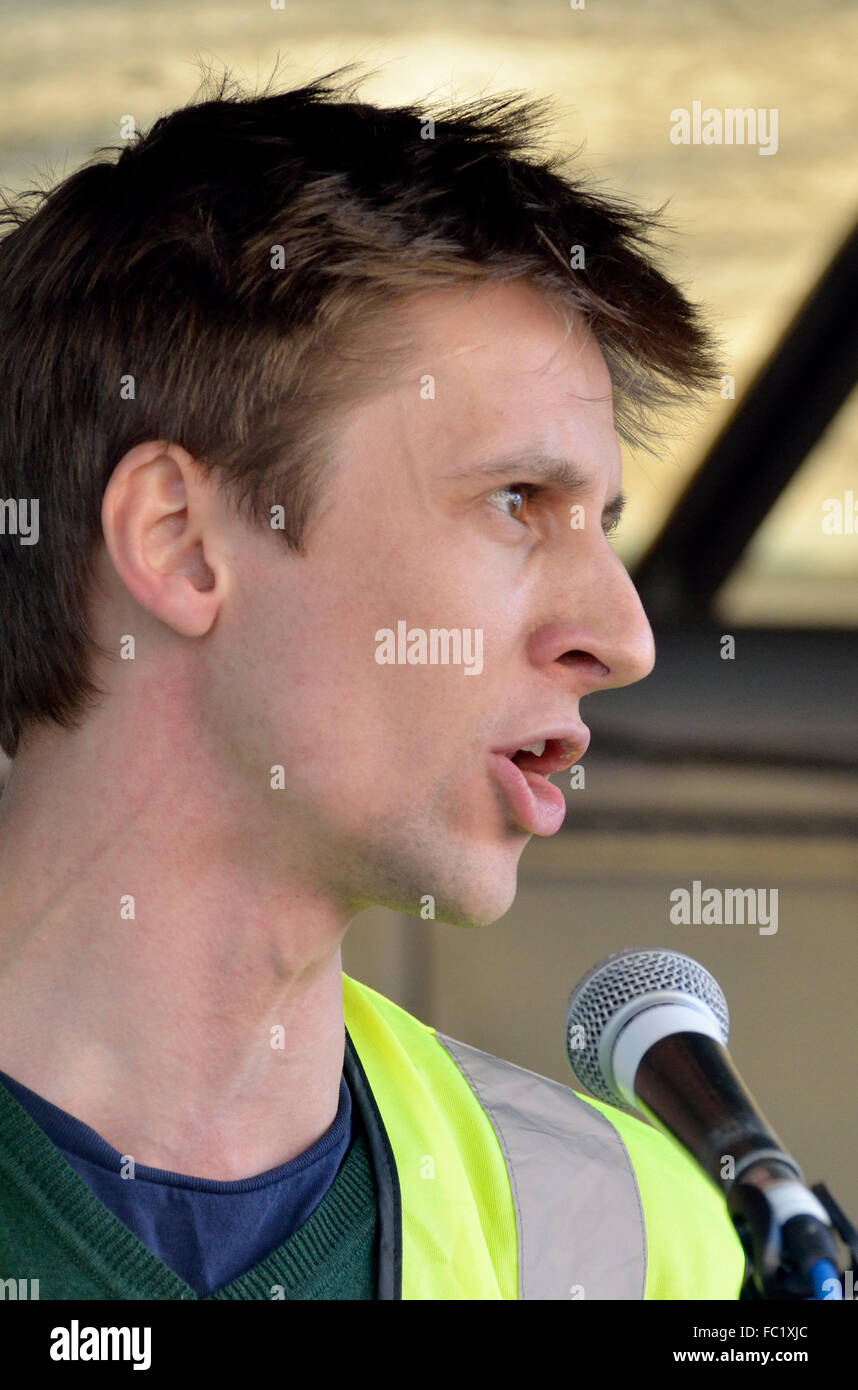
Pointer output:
509, 330
503, 368
499, 369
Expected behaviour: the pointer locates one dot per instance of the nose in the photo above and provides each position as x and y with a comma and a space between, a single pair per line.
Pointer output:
604, 638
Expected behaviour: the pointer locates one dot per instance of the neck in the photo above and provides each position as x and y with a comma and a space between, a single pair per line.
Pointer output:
159, 979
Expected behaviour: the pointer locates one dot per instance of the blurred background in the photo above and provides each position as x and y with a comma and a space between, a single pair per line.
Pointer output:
738, 772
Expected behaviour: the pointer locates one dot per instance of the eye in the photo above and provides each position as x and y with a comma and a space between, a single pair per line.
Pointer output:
515, 494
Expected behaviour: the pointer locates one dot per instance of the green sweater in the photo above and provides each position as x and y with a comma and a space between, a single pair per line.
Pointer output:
55, 1230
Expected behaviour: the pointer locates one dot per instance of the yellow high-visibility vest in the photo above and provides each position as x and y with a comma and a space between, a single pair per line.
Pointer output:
495, 1182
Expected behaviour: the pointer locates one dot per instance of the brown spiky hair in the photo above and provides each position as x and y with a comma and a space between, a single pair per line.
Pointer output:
158, 263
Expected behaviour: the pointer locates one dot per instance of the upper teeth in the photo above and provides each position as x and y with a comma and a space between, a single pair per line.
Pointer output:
537, 748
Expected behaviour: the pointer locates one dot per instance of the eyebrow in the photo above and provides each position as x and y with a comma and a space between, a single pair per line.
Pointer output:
562, 473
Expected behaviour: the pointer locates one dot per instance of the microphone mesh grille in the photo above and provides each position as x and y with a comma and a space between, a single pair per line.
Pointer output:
615, 982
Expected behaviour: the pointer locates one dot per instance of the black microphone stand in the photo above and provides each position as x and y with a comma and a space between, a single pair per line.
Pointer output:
782, 1256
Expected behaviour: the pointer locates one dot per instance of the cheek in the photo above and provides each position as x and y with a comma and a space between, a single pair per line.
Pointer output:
298, 682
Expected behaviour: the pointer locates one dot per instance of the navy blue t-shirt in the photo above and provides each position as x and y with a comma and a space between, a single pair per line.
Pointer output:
209, 1232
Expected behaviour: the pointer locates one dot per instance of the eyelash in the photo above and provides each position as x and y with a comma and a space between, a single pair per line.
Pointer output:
530, 491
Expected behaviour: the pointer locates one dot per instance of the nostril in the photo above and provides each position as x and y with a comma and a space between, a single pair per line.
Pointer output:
584, 660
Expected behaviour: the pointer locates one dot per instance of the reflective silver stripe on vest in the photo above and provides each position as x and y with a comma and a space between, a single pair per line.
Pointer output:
581, 1227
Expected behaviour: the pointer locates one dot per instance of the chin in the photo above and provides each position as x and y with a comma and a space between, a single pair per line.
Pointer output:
467, 885
486, 900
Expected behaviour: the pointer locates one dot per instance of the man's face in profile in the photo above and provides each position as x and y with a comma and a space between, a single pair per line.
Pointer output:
396, 782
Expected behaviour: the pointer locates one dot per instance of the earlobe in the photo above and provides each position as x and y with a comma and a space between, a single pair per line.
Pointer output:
157, 521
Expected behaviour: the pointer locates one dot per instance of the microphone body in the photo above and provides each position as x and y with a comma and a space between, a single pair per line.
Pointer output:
686, 1083
647, 1030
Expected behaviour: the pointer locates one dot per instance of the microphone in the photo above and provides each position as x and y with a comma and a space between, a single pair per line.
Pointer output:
647, 1031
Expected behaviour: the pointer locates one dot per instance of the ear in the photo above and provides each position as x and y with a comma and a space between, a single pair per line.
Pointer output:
160, 526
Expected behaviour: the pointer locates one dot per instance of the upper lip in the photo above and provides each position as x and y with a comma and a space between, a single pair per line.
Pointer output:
571, 743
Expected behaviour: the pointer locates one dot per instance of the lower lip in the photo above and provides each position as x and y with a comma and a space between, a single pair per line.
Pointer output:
537, 805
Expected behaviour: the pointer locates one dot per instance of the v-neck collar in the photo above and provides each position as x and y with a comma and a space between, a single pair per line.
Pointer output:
105, 1248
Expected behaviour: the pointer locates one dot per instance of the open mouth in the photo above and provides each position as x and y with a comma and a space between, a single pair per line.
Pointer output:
537, 806
548, 755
